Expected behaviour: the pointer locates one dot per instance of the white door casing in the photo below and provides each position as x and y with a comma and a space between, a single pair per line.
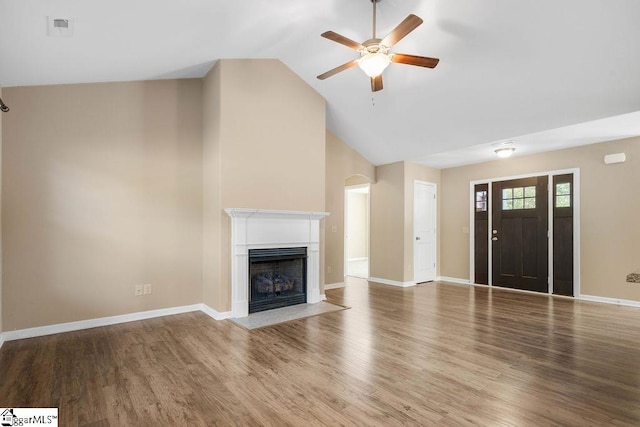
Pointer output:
424, 230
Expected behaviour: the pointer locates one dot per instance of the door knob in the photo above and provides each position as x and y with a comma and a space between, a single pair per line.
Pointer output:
417, 238
494, 238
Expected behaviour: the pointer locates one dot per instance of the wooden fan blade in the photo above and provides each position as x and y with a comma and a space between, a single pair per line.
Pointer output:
409, 24
376, 83
338, 69
342, 40
420, 61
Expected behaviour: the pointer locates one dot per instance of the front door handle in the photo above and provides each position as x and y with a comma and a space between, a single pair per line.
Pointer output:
494, 238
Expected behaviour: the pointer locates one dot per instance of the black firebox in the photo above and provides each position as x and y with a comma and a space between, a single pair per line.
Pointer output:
278, 278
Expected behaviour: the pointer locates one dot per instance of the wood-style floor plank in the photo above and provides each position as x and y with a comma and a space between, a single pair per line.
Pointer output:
435, 354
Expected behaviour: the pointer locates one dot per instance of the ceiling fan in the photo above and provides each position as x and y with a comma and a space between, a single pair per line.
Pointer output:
375, 53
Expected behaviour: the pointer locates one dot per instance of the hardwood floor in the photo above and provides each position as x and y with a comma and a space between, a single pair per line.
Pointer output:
435, 354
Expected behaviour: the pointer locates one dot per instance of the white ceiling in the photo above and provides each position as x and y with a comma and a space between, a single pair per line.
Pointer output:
523, 70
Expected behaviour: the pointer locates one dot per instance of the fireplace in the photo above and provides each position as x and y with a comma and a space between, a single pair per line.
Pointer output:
263, 229
278, 278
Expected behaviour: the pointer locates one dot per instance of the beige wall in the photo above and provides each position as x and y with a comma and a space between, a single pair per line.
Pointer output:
273, 138
101, 192
344, 166
609, 212
271, 145
212, 290
387, 257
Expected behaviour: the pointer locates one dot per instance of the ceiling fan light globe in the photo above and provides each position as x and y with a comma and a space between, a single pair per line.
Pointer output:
373, 64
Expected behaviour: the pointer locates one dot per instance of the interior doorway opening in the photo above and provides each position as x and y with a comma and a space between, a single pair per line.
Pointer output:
356, 236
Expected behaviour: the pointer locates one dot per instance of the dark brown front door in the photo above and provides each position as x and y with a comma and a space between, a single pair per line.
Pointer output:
519, 234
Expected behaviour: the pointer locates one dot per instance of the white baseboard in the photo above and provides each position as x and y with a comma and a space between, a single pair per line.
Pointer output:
95, 323
605, 300
453, 280
217, 315
590, 298
392, 282
364, 258
333, 286
114, 320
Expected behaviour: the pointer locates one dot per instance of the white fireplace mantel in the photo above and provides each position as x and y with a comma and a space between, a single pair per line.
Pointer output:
261, 229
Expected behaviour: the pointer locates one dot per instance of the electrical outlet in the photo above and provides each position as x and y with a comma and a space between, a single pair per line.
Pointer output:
334, 228
147, 289
328, 269
138, 290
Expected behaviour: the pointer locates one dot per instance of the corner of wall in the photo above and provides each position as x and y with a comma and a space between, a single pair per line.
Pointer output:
388, 223
342, 162
211, 208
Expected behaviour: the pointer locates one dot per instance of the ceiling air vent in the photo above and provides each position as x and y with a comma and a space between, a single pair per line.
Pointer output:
59, 27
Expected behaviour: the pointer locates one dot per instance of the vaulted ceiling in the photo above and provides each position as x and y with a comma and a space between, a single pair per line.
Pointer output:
535, 72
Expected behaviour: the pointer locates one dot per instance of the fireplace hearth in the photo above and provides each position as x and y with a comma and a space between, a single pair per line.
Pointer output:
277, 278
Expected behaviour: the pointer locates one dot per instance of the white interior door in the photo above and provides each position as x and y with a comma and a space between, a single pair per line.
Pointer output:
424, 226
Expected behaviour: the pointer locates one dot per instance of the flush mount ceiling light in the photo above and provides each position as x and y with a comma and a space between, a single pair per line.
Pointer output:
505, 150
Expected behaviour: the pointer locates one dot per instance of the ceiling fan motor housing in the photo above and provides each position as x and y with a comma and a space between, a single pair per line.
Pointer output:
373, 46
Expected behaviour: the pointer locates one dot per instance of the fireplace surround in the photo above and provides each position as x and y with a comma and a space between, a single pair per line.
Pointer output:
269, 229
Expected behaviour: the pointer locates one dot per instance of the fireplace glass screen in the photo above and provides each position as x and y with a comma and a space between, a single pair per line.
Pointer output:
278, 278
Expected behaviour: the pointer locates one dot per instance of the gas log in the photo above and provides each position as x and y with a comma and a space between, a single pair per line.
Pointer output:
265, 283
